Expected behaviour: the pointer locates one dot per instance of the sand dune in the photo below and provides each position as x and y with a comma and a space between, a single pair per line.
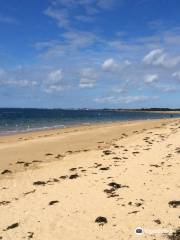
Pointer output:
91, 182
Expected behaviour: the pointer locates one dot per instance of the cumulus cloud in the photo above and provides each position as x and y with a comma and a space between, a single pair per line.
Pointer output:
119, 90
60, 15
109, 65
88, 78
158, 57
63, 11
55, 77
55, 82
176, 75
87, 83
150, 78
9, 79
169, 89
124, 99
155, 57
21, 83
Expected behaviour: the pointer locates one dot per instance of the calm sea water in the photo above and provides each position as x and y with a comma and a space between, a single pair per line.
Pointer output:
17, 120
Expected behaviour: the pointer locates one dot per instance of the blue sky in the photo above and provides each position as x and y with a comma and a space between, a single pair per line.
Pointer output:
90, 53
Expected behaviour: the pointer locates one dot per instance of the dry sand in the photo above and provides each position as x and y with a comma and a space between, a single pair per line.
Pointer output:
55, 184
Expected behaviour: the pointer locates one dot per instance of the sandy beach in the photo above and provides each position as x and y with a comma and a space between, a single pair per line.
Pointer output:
91, 182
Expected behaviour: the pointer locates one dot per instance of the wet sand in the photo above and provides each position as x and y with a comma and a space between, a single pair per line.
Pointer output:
91, 182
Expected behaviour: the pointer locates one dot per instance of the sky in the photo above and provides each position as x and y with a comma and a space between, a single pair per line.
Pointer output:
90, 53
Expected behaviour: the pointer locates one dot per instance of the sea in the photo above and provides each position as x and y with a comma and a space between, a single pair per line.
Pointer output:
14, 120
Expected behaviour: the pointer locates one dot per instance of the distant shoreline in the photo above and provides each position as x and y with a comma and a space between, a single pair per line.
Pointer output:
152, 111
161, 110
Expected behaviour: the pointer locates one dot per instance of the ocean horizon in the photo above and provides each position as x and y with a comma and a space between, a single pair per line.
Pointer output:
14, 120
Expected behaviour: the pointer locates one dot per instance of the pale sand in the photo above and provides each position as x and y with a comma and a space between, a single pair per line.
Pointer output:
147, 167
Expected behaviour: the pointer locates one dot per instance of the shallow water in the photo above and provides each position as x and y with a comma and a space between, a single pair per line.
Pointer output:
14, 120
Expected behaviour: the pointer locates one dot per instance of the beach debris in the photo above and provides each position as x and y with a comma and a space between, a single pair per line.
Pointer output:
114, 186
52, 180
125, 135
55, 180
175, 235
59, 156
53, 202
155, 165
97, 165
157, 221
101, 220
48, 154
4, 203
26, 193
104, 168
116, 158
6, 171
63, 177
134, 212
136, 152
137, 204
26, 164
31, 234
73, 176
36, 161
174, 204
117, 185
116, 146
39, 183
20, 162
72, 169
107, 152
111, 192
14, 225
178, 150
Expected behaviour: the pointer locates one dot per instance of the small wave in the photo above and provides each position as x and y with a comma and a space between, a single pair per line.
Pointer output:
29, 129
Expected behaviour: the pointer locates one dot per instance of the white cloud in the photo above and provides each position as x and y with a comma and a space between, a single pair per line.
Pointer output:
119, 90
124, 99
54, 88
154, 57
63, 11
87, 83
176, 74
60, 15
55, 77
169, 89
158, 57
18, 83
109, 65
8, 20
2, 73
150, 78
88, 72
55, 82
127, 62
88, 78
